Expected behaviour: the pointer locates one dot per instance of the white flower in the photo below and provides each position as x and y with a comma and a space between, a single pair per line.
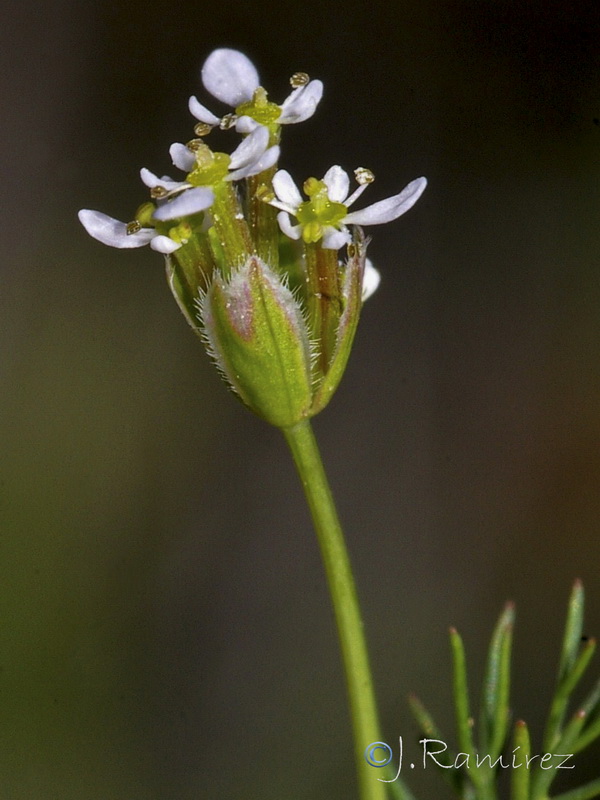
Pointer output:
205, 168
231, 77
184, 198
187, 203
125, 235
324, 216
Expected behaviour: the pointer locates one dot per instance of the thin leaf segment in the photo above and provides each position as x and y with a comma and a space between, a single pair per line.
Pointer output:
474, 771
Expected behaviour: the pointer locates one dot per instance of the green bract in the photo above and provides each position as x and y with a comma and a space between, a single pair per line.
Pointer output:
282, 360
256, 333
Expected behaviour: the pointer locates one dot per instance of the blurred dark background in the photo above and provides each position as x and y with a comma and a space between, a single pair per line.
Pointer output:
165, 629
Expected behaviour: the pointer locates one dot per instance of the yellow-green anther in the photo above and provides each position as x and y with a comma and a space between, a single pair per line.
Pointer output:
227, 122
133, 227
259, 108
299, 79
144, 215
158, 192
202, 129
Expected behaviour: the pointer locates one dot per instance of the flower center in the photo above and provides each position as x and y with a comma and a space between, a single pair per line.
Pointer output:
181, 233
319, 211
259, 108
211, 168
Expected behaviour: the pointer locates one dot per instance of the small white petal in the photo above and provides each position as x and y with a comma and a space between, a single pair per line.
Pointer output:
246, 124
251, 148
151, 180
162, 244
183, 158
112, 232
230, 76
293, 231
334, 239
390, 209
189, 202
371, 280
266, 161
301, 103
337, 182
285, 188
201, 112
283, 206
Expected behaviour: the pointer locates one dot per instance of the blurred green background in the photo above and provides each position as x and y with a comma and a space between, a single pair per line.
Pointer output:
165, 631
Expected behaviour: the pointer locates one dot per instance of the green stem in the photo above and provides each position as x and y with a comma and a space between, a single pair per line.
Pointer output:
324, 302
363, 710
231, 227
262, 218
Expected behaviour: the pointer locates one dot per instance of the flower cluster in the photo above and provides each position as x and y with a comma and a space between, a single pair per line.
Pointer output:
255, 266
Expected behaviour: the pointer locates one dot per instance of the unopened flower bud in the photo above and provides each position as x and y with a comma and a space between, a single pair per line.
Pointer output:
258, 338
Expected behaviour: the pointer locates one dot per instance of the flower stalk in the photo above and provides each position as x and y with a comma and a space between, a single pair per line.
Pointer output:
262, 218
324, 298
359, 682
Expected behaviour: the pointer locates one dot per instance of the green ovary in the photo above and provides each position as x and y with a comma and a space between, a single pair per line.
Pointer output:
211, 168
259, 108
318, 212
